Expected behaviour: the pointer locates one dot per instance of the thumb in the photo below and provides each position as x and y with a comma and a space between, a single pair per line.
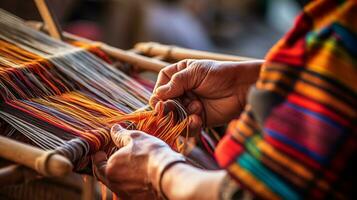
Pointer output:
177, 86
120, 136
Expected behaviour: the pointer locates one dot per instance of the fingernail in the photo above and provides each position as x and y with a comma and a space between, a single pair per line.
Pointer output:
153, 101
161, 89
159, 105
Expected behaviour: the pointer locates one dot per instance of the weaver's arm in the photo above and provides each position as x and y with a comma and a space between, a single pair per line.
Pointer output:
213, 93
183, 181
145, 167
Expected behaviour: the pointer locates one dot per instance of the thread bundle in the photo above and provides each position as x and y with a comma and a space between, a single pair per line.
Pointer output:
66, 98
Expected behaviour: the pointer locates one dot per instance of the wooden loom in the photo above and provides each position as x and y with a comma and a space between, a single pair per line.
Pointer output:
51, 164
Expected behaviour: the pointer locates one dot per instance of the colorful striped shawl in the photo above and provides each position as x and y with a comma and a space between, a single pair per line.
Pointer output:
297, 138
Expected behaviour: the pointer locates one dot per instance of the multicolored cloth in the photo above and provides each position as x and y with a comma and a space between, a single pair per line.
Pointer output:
297, 138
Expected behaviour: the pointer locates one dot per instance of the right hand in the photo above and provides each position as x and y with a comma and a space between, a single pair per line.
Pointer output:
213, 92
135, 170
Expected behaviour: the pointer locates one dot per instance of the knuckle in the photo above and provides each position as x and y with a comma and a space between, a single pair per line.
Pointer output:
136, 134
162, 73
184, 61
191, 62
182, 64
176, 77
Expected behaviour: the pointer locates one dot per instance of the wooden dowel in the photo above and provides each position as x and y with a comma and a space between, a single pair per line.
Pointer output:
49, 18
11, 174
132, 58
46, 163
14, 174
178, 53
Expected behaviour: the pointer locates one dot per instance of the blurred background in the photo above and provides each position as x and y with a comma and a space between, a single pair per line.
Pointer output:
239, 27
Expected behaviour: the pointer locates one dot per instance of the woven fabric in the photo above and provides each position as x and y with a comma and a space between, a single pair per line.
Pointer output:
297, 138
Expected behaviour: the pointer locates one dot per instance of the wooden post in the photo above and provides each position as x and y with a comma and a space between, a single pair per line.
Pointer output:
46, 163
49, 18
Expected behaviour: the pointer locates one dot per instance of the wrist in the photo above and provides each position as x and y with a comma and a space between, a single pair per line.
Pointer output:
173, 185
159, 162
183, 181
248, 71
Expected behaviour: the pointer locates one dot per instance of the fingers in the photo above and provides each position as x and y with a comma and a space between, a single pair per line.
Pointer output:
194, 111
165, 77
161, 106
195, 124
166, 73
99, 161
120, 136
179, 83
194, 107
153, 100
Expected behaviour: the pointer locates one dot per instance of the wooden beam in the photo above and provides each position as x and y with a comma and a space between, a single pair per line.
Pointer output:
15, 174
142, 62
46, 163
178, 53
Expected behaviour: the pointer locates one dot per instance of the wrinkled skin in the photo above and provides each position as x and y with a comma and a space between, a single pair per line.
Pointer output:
213, 92
136, 167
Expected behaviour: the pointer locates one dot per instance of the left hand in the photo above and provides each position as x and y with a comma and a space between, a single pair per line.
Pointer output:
133, 172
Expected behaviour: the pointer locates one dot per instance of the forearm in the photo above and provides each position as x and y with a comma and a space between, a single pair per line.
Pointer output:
183, 181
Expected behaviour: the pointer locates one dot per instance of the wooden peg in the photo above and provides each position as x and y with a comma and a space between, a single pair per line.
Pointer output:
49, 19
47, 163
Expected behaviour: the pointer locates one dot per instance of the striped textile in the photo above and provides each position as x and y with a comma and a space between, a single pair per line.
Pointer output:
297, 138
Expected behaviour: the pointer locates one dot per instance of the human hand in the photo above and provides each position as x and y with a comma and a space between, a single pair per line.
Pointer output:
213, 92
134, 171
